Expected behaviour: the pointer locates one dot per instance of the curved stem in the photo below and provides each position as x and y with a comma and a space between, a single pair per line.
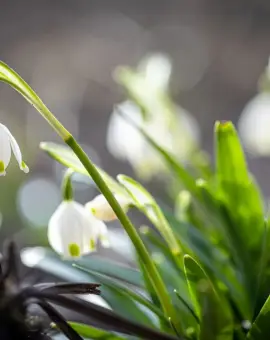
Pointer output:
156, 279
10, 77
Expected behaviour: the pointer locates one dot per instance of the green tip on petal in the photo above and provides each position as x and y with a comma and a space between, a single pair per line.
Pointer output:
92, 244
2, 168
24, 168
74, 250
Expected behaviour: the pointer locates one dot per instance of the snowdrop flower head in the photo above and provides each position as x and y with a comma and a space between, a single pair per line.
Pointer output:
254, 125
8, 143
73, 231
178, 134
101, 209
156, 69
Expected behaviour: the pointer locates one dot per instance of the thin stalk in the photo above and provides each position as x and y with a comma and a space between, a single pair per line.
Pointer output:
67, 190
10, 77
156, 279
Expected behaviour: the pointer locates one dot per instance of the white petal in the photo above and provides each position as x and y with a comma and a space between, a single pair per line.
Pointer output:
102, 210
123, 140
157, 69
254, 125
103, 235
16, 150
71, 226
5, 148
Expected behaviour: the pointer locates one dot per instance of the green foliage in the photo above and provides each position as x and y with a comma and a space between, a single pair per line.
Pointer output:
209, 254
210, 247
211, 251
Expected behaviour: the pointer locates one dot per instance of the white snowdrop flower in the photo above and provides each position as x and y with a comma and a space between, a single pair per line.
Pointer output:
8, 143
254, 125
101, 209
125, 142
73, 231
156, 70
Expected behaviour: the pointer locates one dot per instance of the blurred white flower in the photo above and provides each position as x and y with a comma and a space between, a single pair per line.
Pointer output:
8, 143
156, 71
178, 135
73, 231
101, 209
254, 125
149, 83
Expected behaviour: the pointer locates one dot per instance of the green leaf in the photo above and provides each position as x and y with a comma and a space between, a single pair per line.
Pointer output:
113, 269
160, 253
211, 308
67, 157
230, 159
238, 189
94, 333
49, 261
145, 202
118, 300
260, 329
123, 289
172, 277
217, 262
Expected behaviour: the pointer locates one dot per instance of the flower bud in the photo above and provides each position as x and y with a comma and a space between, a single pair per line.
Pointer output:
101, 209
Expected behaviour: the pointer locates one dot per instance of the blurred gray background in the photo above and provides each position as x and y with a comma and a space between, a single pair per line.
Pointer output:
67, 50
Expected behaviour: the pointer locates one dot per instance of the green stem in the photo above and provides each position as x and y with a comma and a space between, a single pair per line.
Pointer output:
156, 279
67, 190
10, 77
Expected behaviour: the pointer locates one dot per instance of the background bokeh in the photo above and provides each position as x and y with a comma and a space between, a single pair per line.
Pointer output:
67, 50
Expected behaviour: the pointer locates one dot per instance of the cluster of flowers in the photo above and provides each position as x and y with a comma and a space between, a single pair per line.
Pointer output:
74, 229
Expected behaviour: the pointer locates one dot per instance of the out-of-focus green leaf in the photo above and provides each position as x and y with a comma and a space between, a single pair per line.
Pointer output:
49, 261
148, 284
113, 269
238, 266
145, 202
237, 187
94, 333
158, 249
243, 205
115, 285
212, 309
260, 329
67, 157
210, 255
187, 305
230, 159
118, 300
172, 276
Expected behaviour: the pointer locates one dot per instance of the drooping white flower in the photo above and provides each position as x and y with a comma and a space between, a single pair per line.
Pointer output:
73, 231
156, 70
101, 209
8, 143
125, 142
254, 125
